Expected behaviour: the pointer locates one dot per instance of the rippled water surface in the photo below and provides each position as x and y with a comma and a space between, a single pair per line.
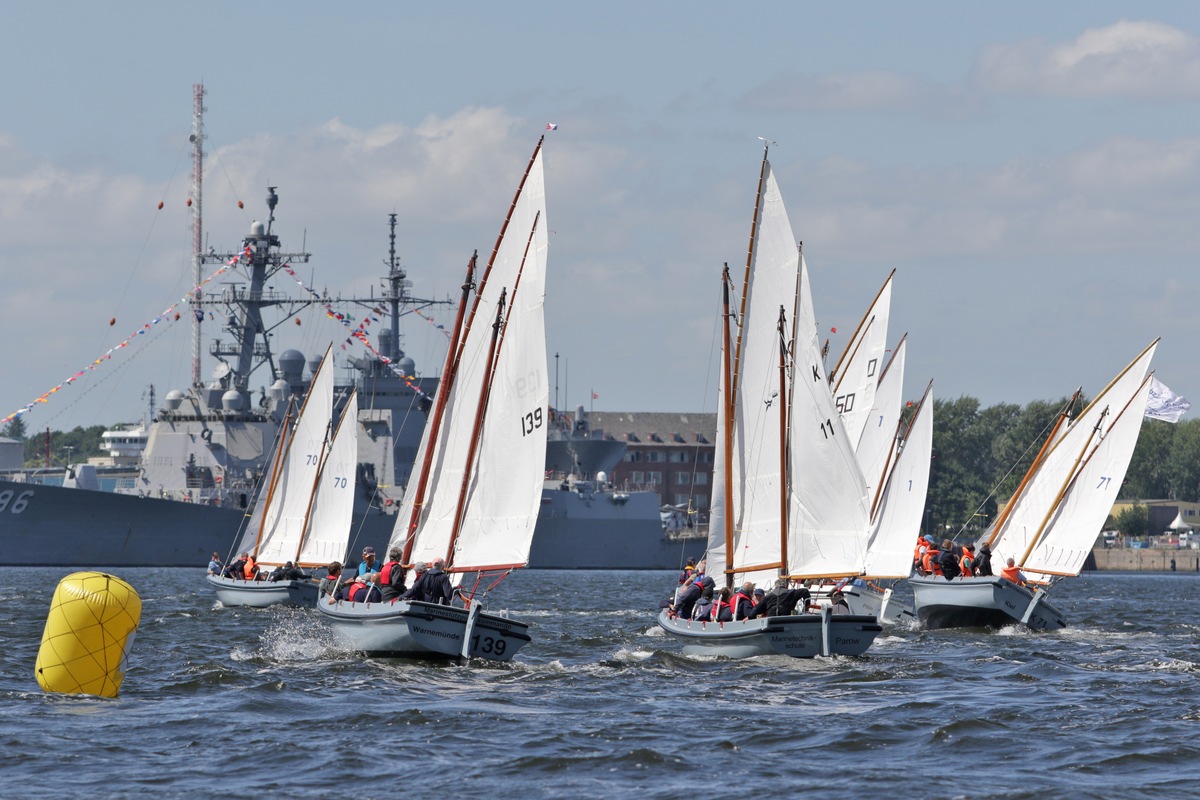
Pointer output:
600, 704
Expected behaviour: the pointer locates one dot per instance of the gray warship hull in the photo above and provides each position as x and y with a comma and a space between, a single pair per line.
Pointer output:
46, 525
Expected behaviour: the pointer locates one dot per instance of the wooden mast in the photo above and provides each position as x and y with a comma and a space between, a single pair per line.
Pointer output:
439, 408
726, 419
784, 464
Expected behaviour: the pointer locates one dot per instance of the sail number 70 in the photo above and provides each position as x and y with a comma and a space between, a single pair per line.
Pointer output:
531, 421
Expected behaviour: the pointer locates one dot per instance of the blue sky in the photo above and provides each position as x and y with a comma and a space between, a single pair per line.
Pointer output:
1031, 171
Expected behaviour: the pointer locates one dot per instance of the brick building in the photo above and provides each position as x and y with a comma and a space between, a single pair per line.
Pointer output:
669, 452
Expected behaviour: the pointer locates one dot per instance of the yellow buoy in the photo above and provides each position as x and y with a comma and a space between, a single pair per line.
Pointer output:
89, 631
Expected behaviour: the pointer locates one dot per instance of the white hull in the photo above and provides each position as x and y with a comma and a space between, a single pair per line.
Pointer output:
422, 630
798, 636
260, 594
868, 601
989, 602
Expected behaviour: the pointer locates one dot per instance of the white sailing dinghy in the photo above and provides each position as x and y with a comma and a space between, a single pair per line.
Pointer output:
305, 511
789, 500
1050, 524
474, 499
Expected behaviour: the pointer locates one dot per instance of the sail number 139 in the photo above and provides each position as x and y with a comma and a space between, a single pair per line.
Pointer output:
531, 421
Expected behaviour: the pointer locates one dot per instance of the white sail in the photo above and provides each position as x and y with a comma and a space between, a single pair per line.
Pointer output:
254, 523
902, 503
856, 379
877, 444
1077, 521
333, 504
506, 488
1034, 509
718, 503
453, 452
757, 446
291, 497
829, 511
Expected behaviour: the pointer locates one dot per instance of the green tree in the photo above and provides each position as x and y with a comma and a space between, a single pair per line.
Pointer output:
15, 429
1149, 474
1133, 520
1181, 466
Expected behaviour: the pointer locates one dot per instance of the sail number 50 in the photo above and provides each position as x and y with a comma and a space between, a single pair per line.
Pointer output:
531, 421
18, 505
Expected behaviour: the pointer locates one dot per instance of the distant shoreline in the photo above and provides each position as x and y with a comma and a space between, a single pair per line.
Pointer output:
1149, 559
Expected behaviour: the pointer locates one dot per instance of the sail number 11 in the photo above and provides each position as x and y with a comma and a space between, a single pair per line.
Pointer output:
531, 421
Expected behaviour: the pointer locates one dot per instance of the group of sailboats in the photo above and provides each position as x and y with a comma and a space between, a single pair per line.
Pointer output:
819, 479
304, 512
815, 478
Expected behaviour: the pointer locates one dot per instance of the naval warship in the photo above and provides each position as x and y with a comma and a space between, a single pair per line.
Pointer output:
207, 446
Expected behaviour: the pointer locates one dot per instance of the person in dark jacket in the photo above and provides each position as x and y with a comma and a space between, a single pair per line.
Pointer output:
687, 599
983, 562
437, 584
948, 560
704, 606
743, 601
781, 601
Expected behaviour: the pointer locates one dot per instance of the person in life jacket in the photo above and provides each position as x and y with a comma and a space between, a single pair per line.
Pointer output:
743, 601
966, 561
689, 572
329, 584
929, 562
722, 608
363, 590
1011, 572
704, 606
391, 576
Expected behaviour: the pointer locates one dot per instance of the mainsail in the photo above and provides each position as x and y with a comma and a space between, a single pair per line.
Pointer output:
488, 426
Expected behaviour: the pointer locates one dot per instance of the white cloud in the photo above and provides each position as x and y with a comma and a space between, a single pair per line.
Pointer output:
1126, 59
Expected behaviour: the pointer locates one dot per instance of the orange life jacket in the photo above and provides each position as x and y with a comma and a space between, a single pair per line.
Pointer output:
250, 569
929, 562
1011, 573
966, 564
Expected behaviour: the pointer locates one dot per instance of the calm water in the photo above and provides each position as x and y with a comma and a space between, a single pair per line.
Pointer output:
601, 705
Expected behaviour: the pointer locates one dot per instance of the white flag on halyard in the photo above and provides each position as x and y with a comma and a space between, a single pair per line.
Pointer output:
1165, 404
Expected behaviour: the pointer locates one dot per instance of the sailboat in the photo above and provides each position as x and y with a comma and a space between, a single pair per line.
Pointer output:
1052, 520
307, 506
894, 456
789, 499
474, 497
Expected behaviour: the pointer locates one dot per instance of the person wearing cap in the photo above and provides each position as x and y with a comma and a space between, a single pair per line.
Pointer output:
368, 561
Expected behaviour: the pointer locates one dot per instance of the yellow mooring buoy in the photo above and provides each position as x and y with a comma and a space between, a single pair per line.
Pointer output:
93, 618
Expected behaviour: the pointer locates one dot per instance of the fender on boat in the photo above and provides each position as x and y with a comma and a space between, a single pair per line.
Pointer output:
89, 631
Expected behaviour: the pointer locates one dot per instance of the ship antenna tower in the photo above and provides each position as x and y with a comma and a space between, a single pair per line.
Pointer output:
197, 139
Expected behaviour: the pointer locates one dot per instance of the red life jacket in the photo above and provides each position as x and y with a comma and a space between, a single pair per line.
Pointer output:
719, 604
738, 596
385, 575
357, 589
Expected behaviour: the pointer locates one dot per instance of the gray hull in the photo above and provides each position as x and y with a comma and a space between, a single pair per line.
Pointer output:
988, 602
873, 602
407, 629
52, 526
798, 636
605, 530
260, 594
